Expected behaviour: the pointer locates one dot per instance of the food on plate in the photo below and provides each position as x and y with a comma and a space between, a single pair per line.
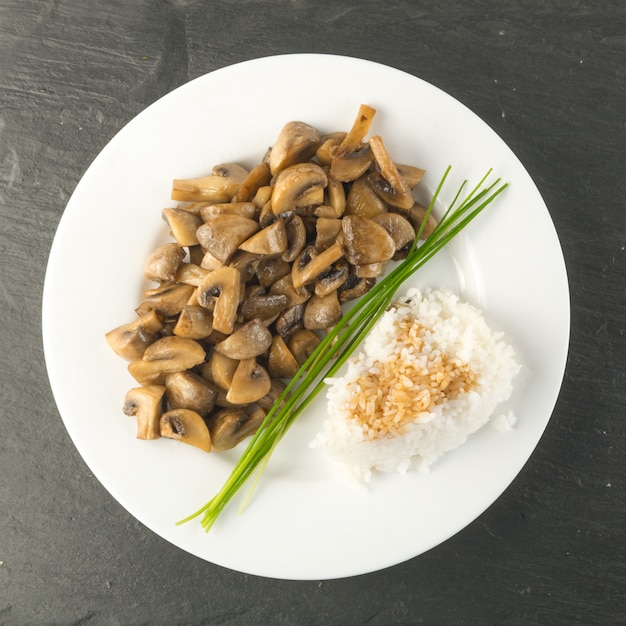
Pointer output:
260, 266
430, 373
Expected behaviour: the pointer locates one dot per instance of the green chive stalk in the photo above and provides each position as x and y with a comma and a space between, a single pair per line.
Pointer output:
343, 339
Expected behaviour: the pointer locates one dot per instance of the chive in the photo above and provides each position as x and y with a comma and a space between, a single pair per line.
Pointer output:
341, 341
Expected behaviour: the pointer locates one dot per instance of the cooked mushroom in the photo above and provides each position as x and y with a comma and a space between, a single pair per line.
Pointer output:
146, 403
219, 370
223, 234
370, 270
243, 209
187, 426
296, 143
262, 305
363, 200
280, 362
360, 127
295, 184
167, 300
225, 284
389, 184
269, 270
354, 287
322, 312
131, 340
259, 176
365, 241
191, 274
413, 175
186, 390
183, 225
262, 197
220, 186
270, 241
326, 231
290, 321
416, 215
332, 279
348, 166
251, 340
250, 382
165, 355
302, 343
296, 238
194, 322
397, 226
245, 263
209, 262
295, 295
336, 196
163, 262
309, 265
230, 426
328, 146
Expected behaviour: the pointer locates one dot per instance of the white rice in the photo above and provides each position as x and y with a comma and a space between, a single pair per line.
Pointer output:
430, 374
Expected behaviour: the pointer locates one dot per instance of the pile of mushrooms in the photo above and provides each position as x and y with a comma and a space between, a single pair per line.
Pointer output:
261, 263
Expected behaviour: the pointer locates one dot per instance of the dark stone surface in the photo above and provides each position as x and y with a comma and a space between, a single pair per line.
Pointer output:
549, 77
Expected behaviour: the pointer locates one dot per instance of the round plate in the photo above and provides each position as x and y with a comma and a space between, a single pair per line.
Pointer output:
302, 522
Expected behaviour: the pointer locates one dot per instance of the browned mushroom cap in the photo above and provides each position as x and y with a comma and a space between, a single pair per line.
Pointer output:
250, 382
163, 262
186, 390
183, 225
220, 186
269, 270
280, 362
297, 186
147, 404
330, 280
389, 184
363, 200
348, 166
165, 355
413, 175
370, 270
326, 232
295, 295
219, 370
309, 264
191, 274
302, 343
223, 234
296, 238
230, 426
271, 240
167, 300
289, 321
130, 340
225, 284
416, 215
397, 226
259, 176
243, 209
322, 311
209, 262
187, 426
252, 339
296, 143
365, 241
328, 146
194, 322
261, 305
354, 287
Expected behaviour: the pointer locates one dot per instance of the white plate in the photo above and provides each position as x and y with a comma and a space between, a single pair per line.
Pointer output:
302, 523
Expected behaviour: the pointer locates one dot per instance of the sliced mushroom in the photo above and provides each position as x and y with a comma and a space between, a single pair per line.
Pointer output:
413, 175
187, 426
302, 343
268, 271
191, 274
293, 187
296, 238
259, 176
223, 234
354, 287
186, 390
348, 166
389, 184
416, 215
209, 262
183, 225
219, 369
270, 241
262, 197
332, 279
360, 127
220, 186
296, 143
363, 200
295, 295
262, 305
166, 355
336, 196
249, 341
309, 265
365, 241
146, 403
243, 209
290, 321
194, 322
225, 285
280, 362
245, 263
328, 146
322, 312
276, 390
370, 270
397, 226
230, 426
326, 232
163, 262
130, 341
250, 382
167, 300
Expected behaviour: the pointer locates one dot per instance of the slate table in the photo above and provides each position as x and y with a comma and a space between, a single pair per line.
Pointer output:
549, 78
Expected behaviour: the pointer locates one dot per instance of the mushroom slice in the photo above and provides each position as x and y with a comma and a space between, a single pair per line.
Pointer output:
243, 209
225, 284
259, 176
280, 362
309, 265
360, 127
269, 400
336, 196
223, 234
251, 340
262, 196
146, 403
370, 270
295, 295
363, 200
296, 143
183, 225
167, 300
295, 184
194, 322
245, 263
165, 355
130, 341
186, 390
269, 270
413, 175
332, 279
209, 262
322, 311
354, 287
290, 321
397, 226
219, 369
302, 343
187, 426
389, 184
271, 240
326, 231
163, 263
365, 241
263, 306
348, 166
191, 274
230, 426
296, 238
328, 146
416, 215
250, 382
220, 186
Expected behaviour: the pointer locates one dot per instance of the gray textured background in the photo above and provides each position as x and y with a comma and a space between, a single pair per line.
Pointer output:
549, 78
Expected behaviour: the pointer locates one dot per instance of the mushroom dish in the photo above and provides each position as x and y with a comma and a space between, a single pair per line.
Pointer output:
260, 264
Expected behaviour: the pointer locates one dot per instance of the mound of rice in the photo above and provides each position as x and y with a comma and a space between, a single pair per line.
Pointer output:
430, 374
